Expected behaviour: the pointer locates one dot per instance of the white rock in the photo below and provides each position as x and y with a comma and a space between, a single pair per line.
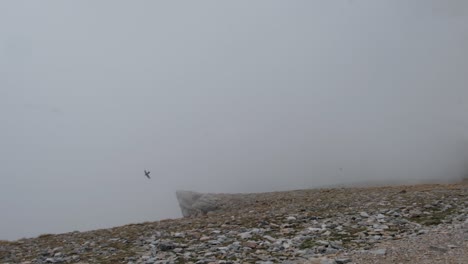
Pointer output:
179, 235
322, 242
245, 235
286, 244
204, 238
377, 226
223, 248
193, 203
382, 251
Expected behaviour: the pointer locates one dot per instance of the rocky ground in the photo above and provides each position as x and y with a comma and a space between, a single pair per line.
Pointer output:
398, 224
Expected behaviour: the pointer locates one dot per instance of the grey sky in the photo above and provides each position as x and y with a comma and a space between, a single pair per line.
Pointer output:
218, 96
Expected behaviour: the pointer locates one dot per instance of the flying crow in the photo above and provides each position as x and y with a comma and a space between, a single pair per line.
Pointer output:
147, 174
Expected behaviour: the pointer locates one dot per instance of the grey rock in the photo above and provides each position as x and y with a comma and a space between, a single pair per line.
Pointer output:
422, 231
166, 246
377, 226
194, 203
322, 242
343, 260
57, 249
382, 251
438, 249
380, 216
214, 242
245, 235
151, 260
179, 235
205, 238
364, 214
322, 261
336, 244
221, 238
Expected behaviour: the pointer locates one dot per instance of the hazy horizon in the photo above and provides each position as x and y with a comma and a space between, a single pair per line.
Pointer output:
212, 96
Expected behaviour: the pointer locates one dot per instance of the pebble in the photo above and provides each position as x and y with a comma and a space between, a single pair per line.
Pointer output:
364, 214
245, 235
382, 251
380, 216
343, 260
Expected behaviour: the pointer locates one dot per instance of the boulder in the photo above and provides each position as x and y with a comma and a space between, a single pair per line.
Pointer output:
194, 203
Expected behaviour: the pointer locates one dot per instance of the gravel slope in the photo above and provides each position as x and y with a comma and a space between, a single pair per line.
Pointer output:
395, 224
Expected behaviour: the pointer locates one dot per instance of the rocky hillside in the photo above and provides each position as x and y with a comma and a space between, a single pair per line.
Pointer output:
397, 224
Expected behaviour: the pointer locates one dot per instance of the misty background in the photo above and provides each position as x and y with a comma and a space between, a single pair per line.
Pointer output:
238, 96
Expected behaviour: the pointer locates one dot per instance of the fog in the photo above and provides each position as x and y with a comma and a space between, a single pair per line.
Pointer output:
238, 96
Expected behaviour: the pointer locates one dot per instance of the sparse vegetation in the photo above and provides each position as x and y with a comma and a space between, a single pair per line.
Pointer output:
43, 236
308, 243
435, 218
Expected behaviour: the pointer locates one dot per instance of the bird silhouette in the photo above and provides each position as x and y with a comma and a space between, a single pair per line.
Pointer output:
147, 174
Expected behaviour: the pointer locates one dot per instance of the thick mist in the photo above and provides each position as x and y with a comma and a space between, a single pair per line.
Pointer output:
212, 96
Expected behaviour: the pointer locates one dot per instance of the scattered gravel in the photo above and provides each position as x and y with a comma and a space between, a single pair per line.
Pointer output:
397, 224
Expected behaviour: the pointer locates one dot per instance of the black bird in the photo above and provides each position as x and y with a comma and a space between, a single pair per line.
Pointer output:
147, 174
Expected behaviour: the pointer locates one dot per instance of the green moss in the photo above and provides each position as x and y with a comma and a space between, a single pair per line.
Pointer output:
437, 217
308, 243
345, 238
347, 235
256, 238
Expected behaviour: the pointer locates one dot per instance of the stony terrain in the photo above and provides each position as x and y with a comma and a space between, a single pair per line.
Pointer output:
397, 224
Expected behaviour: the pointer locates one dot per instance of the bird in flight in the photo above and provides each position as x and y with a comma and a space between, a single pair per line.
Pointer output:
147, 174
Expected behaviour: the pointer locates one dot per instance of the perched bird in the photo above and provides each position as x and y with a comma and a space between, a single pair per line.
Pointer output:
147, 174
